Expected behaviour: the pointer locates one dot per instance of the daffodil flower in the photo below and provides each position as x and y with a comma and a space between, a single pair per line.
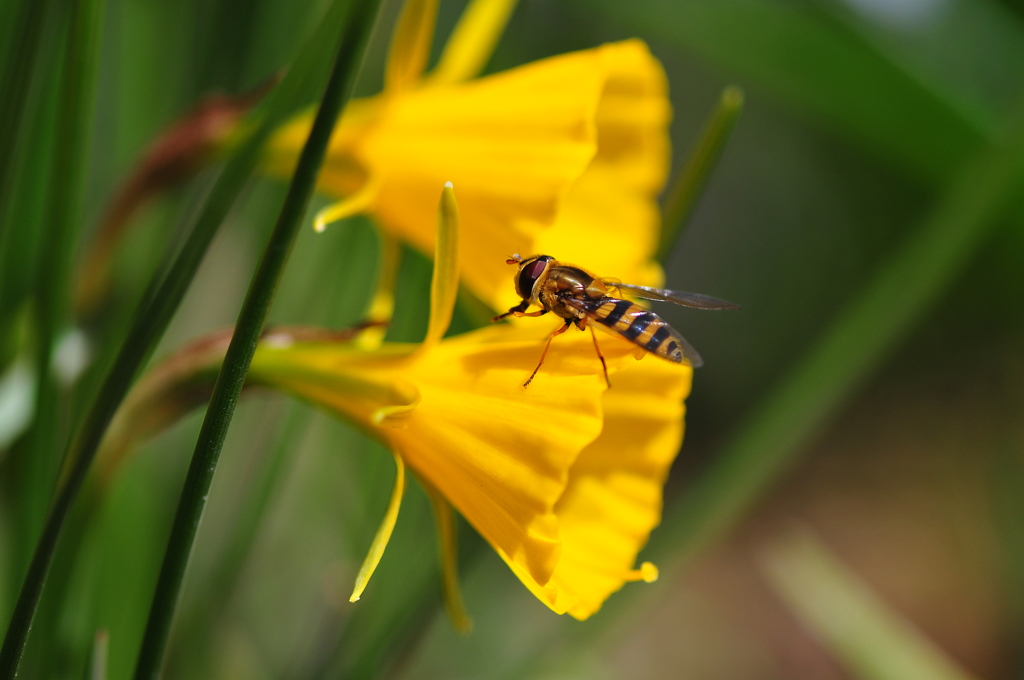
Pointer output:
565, 155
563, 479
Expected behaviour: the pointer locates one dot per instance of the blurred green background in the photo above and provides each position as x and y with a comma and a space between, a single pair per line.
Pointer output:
866, 213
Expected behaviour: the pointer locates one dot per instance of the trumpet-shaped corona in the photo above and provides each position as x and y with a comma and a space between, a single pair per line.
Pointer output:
563, 155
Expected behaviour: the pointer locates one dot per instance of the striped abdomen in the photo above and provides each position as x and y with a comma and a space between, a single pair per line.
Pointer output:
640, 326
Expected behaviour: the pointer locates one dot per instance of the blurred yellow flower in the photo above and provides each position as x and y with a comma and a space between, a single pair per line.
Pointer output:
565, 155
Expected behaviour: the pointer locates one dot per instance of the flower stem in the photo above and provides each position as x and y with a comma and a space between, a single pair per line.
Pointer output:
251, 320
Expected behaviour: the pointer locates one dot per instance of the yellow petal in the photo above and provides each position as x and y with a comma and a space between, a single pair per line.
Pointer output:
447, 545
499, 452
517, 145
356, 203
512, 143
364, 387
473, 40
444, 286
599, 207
615, 199
614, 494
410, 45
563, 156
341, 173
380, 540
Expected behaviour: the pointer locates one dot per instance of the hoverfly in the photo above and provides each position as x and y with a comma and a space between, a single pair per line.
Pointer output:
580, 298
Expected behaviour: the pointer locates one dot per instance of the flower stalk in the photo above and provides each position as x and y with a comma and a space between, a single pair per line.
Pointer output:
248, 329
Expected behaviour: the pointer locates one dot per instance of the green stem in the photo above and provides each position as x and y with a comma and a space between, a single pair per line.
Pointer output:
689, 185
248, 329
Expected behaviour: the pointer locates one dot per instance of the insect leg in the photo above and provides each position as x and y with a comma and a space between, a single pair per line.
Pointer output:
520, 308
557, 331
600, 356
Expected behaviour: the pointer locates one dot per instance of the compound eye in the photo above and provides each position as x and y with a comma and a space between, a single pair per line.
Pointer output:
528, 276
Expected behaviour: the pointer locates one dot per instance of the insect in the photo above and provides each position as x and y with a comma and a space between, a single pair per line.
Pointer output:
580, 298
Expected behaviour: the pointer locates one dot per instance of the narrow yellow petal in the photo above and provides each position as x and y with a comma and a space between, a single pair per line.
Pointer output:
395, 416
382, 306
354, 204
473, 40
410, 45
380, 541
447, 542
444, 287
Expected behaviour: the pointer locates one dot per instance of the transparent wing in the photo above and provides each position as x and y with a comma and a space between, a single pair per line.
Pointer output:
694, 300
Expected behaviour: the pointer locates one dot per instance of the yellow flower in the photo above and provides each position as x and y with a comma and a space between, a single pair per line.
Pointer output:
565, 155
563, 479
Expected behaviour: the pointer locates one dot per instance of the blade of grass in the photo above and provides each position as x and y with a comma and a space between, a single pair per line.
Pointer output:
248, 329
164, 293
27, 184
14, 83
71, 154
689, 184
871, 639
